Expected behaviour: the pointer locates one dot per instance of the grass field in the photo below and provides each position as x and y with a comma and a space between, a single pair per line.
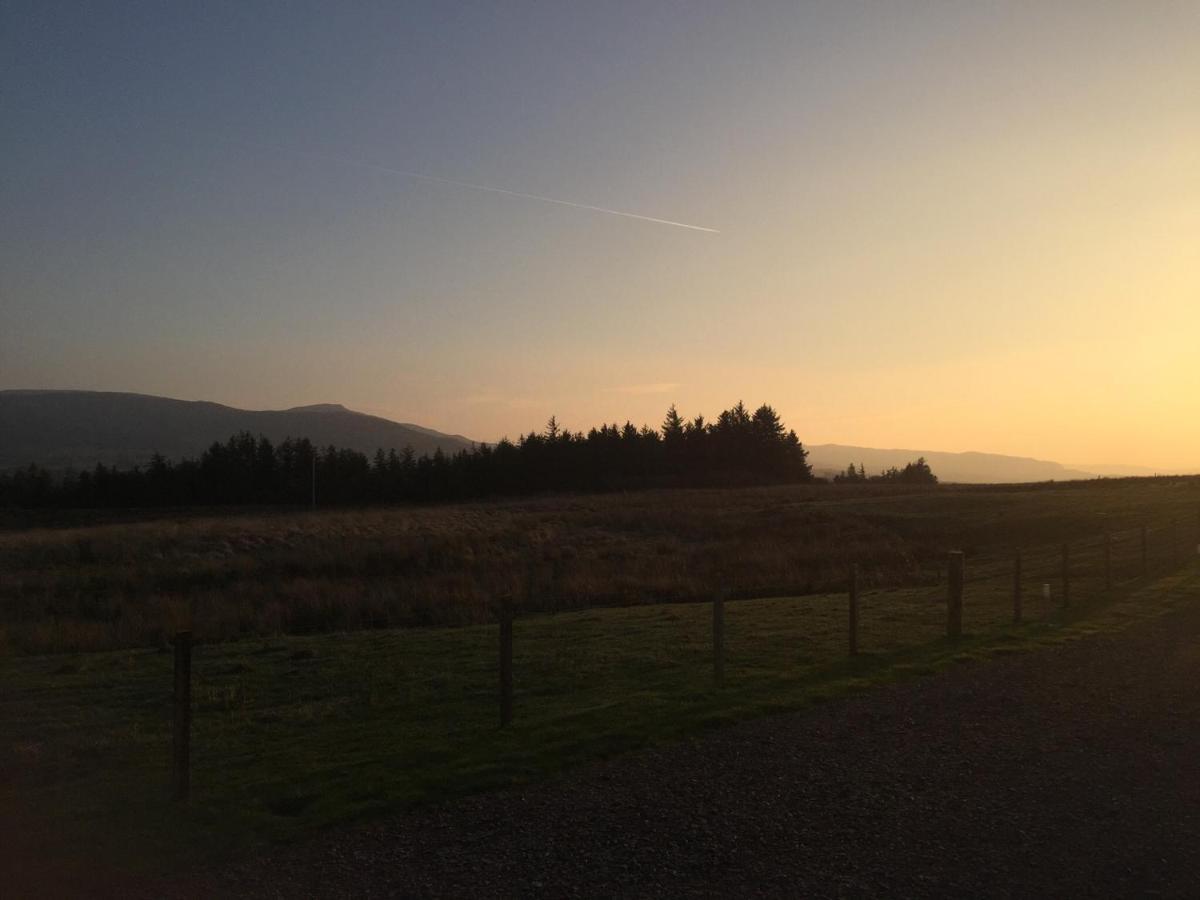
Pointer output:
294, 733
67, 586
297, 731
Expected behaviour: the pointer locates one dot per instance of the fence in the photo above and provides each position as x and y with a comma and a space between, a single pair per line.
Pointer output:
1033, 583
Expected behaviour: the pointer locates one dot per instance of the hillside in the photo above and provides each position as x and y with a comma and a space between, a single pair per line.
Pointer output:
76, 429
963, 468
59, 429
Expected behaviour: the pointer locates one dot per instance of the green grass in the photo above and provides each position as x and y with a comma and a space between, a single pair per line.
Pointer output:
292, 734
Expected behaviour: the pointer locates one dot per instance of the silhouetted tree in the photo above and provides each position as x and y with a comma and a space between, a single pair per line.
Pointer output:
851, 474
917, 472
736, 448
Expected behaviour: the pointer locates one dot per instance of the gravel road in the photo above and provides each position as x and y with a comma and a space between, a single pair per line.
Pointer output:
1070, 771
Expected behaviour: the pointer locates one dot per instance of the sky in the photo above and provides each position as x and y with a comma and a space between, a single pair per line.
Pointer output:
950, 226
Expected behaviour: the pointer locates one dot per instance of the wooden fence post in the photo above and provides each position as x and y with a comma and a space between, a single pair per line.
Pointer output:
1145, 554
1017, 589
1066, 574
181, 743
1108, 562
506, 661
556, 581
1176, 545
718, 636
853, 609
954, 598
530, 586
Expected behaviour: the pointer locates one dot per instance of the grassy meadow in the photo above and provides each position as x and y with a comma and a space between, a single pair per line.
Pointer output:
292, 734
124, 584
296, 732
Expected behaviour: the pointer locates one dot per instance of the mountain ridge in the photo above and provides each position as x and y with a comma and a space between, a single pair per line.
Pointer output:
76, 429
967, 467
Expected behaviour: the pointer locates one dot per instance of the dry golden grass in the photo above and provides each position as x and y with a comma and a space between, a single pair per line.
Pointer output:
104, 586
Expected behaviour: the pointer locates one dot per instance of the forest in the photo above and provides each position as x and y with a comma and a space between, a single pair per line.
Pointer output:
738, 448
916, 472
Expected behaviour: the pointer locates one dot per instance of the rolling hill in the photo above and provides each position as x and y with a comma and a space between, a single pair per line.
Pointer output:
61, 429
76, 429
964, 468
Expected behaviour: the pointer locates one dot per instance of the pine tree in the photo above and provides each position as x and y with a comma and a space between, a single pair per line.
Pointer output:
672, 426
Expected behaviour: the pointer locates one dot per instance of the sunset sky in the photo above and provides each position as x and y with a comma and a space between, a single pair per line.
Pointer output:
952, 226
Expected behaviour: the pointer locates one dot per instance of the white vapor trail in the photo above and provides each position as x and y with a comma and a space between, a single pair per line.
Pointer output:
403, 173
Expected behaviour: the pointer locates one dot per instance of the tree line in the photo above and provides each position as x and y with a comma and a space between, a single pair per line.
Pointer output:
917, 472
738, 448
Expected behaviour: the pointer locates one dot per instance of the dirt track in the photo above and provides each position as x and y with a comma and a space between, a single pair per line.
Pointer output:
1070, 771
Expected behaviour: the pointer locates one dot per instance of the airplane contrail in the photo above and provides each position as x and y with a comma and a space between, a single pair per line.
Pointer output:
404, 173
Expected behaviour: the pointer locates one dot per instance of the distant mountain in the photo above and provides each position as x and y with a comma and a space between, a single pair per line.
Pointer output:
59, 429
1110, 471
963, 468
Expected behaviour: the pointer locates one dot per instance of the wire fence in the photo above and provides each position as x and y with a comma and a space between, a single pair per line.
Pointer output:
972, 596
